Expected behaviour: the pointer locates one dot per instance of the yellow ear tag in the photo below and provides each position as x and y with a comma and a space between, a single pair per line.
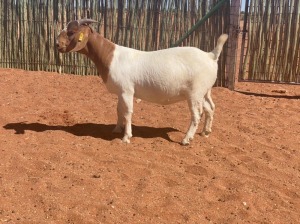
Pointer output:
80, 37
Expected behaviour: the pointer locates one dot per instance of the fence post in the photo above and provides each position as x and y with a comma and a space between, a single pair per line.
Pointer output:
234, 29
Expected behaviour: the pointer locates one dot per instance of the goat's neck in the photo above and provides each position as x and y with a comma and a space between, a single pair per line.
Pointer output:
100, 51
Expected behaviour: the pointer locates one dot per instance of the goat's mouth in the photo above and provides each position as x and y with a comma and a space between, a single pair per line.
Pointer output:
62, 49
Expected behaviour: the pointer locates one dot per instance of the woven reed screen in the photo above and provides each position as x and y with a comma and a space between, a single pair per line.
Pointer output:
273, 42
29, 28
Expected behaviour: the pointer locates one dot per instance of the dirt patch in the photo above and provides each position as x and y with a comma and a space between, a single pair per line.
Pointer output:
60, 162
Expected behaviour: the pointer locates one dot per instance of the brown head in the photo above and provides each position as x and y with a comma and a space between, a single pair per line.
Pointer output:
79, 37
75, 37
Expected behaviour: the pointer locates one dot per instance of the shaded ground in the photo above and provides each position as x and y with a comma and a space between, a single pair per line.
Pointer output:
61, 164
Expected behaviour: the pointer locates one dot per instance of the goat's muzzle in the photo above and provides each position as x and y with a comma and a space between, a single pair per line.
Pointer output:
62, 42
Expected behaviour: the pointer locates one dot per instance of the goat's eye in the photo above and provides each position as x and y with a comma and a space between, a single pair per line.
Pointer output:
70, 33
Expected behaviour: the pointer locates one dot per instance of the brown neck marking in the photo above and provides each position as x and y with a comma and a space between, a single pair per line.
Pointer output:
101, 52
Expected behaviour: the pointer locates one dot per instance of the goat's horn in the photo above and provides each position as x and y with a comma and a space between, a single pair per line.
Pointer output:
86, 21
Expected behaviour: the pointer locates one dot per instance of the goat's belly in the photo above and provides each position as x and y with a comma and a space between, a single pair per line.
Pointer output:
159, 97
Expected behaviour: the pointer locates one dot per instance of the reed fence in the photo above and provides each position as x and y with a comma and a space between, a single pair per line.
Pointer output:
29, 28
273, 41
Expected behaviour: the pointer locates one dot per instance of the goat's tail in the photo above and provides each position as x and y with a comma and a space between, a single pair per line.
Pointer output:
215, 53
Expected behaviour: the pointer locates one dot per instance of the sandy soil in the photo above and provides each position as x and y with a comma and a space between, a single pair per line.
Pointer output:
60, 163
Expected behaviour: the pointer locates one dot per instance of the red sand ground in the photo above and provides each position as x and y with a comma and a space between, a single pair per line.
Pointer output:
60, 163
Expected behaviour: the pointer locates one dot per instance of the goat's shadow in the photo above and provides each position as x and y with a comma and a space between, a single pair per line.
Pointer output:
269, 95
103, 131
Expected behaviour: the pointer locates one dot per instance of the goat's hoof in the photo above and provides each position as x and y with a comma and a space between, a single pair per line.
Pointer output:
126, 140
205, 133
118, 129
185, 142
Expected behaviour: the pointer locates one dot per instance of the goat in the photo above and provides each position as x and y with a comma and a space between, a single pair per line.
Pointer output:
164, 76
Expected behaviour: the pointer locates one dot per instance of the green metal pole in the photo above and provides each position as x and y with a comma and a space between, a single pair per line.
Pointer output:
200, 22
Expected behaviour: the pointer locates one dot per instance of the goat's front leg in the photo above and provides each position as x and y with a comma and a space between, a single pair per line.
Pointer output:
127, 108
120, 122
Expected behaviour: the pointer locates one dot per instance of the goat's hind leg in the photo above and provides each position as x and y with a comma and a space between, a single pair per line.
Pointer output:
209, 109
208, 119
195, 107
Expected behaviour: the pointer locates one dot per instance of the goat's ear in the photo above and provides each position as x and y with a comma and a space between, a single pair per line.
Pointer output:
73, 26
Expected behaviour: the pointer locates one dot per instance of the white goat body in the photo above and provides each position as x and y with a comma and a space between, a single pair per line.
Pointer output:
164, 76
